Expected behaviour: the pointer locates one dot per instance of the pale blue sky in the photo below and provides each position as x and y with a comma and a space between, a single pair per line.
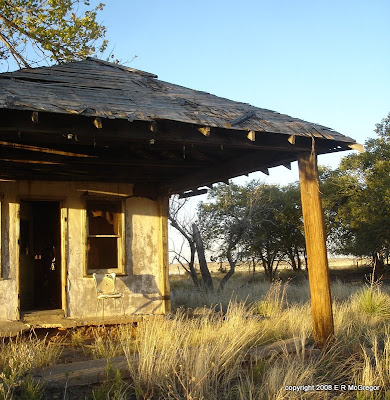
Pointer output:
323, 61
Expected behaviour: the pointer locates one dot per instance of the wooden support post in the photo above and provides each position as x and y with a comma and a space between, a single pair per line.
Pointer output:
313, 219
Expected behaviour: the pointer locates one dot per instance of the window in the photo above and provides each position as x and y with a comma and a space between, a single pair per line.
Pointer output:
104, 235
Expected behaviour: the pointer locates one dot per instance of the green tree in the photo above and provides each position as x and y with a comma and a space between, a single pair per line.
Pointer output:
32, 31
225, 219
255, 222
290, 225
357, 199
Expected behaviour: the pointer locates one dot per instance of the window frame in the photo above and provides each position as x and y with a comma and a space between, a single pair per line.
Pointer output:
121, 240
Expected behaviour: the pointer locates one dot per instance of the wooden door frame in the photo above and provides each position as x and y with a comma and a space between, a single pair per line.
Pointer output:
63, 215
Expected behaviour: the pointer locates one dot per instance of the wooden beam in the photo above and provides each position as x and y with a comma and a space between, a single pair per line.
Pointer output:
195, 192
313, 218
54, 127
243, 118
230, 168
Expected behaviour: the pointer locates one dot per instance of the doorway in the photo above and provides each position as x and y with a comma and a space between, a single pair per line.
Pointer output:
40, 255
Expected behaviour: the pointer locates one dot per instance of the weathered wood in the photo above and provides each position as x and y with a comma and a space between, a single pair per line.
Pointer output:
153, 127
99, 89
251, 136
80, 373
98, 123
192, 193
243, 118
313, 218
204, 130
34, 117
230, 168
287, 346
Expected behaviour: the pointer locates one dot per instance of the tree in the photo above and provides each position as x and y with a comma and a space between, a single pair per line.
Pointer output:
239, 223
189, 230
58, 31
225, 219
265, 234
357, 199
290, 225
183, 225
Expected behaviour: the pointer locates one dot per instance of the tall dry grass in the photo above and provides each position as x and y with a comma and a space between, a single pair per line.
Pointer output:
18, 357
193, 357
199, 355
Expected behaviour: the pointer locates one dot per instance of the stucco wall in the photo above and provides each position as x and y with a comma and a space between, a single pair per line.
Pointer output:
142, 282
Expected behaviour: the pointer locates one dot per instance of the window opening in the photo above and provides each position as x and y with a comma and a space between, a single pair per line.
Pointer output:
104, 234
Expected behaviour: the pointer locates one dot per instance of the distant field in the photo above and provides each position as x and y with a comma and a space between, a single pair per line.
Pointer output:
334, 263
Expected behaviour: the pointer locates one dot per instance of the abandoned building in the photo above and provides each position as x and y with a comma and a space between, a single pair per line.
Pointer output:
90, 152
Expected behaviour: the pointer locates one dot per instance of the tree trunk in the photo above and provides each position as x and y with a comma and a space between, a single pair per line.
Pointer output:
191, 265
291, 256
204, 270
299, 262
231, 270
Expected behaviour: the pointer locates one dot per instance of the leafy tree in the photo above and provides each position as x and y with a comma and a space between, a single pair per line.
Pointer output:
290, 224
255, 222
357, 199
58, 31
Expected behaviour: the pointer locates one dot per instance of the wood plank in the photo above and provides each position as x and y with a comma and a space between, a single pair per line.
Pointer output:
251, 162
313, 218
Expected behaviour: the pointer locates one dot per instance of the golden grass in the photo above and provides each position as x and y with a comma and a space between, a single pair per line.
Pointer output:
17, 358
199, 353
200, 357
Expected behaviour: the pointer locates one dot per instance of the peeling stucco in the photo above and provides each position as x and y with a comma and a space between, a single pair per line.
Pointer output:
141, 282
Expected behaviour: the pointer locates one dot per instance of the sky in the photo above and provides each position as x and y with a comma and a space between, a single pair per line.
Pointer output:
326, 62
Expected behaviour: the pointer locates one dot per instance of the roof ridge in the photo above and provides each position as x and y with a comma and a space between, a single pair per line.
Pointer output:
122, 67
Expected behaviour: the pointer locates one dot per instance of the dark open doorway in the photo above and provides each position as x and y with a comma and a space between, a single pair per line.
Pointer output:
39, 255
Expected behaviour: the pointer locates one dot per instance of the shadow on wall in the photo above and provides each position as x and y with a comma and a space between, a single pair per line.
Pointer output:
147, 286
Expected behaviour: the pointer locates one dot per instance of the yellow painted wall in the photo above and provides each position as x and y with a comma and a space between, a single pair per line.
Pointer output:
143, 281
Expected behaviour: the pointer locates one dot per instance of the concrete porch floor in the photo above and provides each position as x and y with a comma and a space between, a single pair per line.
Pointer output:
55, 319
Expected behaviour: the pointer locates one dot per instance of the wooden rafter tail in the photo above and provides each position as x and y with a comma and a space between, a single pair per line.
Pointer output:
34, 117
287, 165
357, 146
291, 139
153, 127
204, 130
98, 123
251, 136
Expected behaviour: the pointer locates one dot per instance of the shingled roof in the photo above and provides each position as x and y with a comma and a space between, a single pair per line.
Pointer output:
97, 88
94, 88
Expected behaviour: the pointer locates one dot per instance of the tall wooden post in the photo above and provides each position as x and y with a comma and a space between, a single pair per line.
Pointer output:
313, 219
